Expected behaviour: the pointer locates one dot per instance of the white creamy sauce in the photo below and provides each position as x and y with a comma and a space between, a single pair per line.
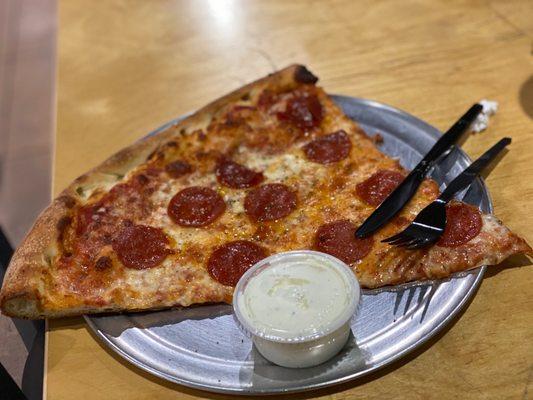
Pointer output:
482, 121
296, 298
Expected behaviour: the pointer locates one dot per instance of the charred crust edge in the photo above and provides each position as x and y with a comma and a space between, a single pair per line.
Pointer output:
303, 75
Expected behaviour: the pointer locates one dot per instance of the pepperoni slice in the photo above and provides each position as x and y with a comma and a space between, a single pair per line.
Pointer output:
269, 202
463, 223
177, 169
230, 261
237, 176
141, 246
196, 206
329, 148
303, 111
338, 239
376, 188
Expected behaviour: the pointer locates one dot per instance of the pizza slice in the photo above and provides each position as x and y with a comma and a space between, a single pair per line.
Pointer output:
177, 218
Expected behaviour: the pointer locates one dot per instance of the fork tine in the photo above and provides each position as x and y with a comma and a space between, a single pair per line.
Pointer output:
417, 245
393, 238
425, 242
398, 237
402, 241
408, 243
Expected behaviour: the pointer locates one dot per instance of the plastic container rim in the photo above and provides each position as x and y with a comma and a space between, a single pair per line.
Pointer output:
354, 294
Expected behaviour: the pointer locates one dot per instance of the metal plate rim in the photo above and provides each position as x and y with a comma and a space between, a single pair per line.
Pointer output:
349, 377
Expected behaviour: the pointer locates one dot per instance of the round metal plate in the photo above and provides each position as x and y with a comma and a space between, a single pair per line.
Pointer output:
202, 347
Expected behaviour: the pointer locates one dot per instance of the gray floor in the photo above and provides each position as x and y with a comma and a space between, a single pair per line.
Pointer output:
27, 101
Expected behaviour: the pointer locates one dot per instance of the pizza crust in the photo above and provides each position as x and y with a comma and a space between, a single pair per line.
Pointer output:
491, 246
23, 291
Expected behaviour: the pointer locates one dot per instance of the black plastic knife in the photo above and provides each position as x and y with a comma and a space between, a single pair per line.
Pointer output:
405, 190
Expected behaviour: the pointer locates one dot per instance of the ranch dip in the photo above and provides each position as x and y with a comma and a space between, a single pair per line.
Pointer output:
295, 303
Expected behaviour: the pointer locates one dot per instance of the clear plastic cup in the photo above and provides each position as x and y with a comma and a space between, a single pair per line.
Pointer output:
299, 346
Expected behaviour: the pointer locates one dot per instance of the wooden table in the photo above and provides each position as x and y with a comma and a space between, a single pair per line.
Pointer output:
128, 67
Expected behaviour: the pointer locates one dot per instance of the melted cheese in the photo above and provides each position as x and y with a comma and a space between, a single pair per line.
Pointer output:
325, 193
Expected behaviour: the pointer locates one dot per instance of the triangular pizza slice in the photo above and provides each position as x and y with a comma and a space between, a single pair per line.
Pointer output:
176, 218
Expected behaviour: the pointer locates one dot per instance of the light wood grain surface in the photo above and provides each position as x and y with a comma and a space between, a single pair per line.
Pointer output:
126, 67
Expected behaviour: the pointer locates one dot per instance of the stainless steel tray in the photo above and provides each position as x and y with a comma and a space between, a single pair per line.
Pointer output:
202, 347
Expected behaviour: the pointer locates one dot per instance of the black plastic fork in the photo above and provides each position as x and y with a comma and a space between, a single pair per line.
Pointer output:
429, 224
